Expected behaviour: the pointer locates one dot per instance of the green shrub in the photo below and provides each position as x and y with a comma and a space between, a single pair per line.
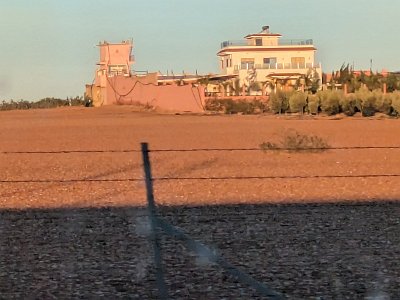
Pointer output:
349, 105
43, 103
395, 102
213, 104
382, 102
297, 102
279, 101
313, 104
330, 101
230, 106
367, 101
293, 141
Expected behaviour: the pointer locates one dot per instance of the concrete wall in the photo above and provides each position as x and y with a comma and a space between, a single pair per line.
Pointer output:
144, 90
115, 54
169, 97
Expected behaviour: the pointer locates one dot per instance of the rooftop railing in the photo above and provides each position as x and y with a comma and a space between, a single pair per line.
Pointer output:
281, 42
285, 42
225, 44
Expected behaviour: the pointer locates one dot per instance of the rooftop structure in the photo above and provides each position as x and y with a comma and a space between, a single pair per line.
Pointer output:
116, 58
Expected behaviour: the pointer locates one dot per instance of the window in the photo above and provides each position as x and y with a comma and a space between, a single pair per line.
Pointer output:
226, 62
259, 42
247, 63
298, 62
269, 60
117, 69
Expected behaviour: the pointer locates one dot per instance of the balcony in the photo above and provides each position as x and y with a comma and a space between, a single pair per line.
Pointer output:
281, 42
276, 66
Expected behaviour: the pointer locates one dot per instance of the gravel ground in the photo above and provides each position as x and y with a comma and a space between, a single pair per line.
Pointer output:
330, 251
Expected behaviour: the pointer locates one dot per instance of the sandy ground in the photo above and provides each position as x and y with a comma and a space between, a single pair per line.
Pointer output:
121, 128
62, 245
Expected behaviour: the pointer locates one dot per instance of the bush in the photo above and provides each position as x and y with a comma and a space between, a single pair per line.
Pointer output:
367, 101
297, 102
43, 103
214, 104
330, 101
11, 105
279, 101
349, 104
313, 104
395, 102
382, 102
293, 141
230, 106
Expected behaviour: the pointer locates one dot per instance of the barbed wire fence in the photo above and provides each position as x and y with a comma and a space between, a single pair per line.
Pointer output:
191, 244
159, 225
138, 179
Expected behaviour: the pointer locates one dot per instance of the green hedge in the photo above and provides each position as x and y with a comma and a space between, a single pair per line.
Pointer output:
43, 103
230, 106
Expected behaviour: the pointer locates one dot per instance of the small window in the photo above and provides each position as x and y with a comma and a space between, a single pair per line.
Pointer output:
298, 62
269, 60
259, 42
247, 63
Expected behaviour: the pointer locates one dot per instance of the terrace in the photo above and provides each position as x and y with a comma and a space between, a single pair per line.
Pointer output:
281, 42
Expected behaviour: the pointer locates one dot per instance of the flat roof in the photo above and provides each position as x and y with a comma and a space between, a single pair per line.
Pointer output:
271, 48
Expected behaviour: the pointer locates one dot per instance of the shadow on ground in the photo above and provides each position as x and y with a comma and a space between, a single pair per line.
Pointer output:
307, 251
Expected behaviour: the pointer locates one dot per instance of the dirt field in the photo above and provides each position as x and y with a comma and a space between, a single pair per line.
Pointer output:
312, 233
120, 128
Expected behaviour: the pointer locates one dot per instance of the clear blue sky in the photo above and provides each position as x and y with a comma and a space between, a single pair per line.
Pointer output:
47, 47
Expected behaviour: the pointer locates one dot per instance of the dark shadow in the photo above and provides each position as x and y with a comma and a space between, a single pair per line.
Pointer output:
304, 251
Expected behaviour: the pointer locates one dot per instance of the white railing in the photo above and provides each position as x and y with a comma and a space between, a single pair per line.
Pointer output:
279, 66
280, 42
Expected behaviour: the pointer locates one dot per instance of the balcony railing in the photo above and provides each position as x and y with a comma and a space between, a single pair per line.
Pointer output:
296, 42
281, 42
277, 66
234, 43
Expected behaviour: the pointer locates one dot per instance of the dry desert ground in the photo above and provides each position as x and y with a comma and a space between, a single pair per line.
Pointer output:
334, 175
307, 225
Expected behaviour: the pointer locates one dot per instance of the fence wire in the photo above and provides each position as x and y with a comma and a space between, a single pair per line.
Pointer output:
202, 150
170, 178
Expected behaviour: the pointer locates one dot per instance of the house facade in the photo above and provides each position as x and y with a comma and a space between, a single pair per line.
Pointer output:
265, 57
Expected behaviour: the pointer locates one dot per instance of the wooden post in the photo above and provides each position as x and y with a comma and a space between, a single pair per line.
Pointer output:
162, 288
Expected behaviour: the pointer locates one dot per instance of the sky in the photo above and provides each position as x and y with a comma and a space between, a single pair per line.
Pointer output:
48, 47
